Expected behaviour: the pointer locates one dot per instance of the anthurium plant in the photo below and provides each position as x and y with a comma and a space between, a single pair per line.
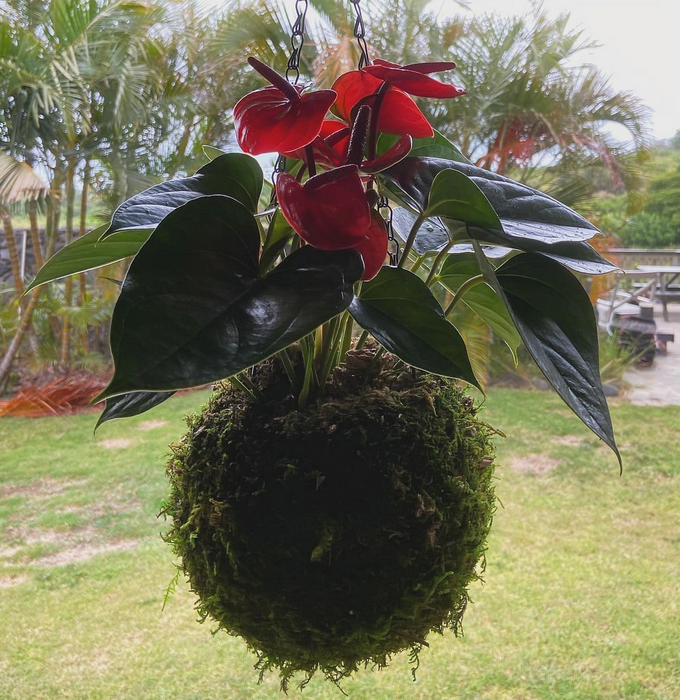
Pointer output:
374, 226
331, 503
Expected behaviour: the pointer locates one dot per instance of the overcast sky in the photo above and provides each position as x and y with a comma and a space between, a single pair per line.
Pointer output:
639, 46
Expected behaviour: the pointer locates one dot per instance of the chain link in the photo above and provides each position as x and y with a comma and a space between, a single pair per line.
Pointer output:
386, 212
297, 41
360, 35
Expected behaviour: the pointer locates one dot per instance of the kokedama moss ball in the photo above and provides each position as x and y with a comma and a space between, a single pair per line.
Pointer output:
338, 535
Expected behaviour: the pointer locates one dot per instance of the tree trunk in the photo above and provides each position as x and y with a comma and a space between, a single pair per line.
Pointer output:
82, 280
68, 285
14, 261
12, 350
35, 236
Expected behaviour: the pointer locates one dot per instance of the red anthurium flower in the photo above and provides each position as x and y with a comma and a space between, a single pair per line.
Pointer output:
399, 114
330, 146
414, 78
279, 118
373, 248
330, 211
390, 157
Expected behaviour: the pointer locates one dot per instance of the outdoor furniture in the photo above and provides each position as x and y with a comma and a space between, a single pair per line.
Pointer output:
625, 302
664, 290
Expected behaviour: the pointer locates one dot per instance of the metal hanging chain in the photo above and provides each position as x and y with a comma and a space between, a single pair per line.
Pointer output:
297, 41
394, 251
360, 35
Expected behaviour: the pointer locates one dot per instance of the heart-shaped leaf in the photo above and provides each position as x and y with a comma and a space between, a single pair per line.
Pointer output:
194, 309
436, 147
399, 310
511, 200
236, 175
89, 252
482, 299
455, 196
128, 405
433, 235
555, 319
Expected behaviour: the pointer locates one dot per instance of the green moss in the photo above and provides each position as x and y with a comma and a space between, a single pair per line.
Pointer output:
334, 537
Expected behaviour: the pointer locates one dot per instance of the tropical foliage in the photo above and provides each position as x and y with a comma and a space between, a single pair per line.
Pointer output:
112, 96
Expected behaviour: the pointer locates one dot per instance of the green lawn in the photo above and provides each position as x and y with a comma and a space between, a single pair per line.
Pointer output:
581, 600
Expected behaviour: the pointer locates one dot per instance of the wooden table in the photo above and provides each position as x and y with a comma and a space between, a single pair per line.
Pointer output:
665, 275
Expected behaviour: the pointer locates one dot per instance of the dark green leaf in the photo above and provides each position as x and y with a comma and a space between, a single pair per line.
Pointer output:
236, 175
128, 405
455, 196
555, 318
432, 234
482, 299
213, 152
279, 233
193, 308
89, 252
399, 310
436, 147
526, 213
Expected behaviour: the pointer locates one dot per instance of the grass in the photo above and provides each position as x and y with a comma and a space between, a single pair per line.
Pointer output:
582, 593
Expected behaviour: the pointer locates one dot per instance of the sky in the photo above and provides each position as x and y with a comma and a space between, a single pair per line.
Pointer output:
639, 46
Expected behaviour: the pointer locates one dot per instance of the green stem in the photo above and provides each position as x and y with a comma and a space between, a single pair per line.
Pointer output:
238, 384
411, 238
307, 346
373, 363
362, 340
421, 259
288, 366
246, 381
432, 277
467, 285
346, 338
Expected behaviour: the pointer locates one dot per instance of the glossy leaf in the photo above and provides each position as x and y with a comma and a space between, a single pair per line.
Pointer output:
399, 310
455, 196
213, 152
194, 309
481, 298
128, 405
432, 234
236, 175
436, 147
556, 321
529, 214
89, 252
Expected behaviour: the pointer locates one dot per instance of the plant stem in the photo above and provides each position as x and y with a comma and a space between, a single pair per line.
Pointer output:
288, 366
362, 340
421, 259
346, 338
308, 356
238, 384
431, 278
373, 363
411, 238
467, 285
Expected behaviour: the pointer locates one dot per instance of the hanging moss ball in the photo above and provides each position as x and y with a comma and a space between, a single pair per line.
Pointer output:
338, 535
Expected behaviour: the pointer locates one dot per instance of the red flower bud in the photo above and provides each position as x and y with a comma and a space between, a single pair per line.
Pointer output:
414, 78
373, 248
279, 118
398, 114
330, 211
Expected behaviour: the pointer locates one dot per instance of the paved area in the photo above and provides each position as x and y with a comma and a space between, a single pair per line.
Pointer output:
659, 385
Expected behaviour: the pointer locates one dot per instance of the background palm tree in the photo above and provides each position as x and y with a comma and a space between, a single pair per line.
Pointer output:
107, 97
